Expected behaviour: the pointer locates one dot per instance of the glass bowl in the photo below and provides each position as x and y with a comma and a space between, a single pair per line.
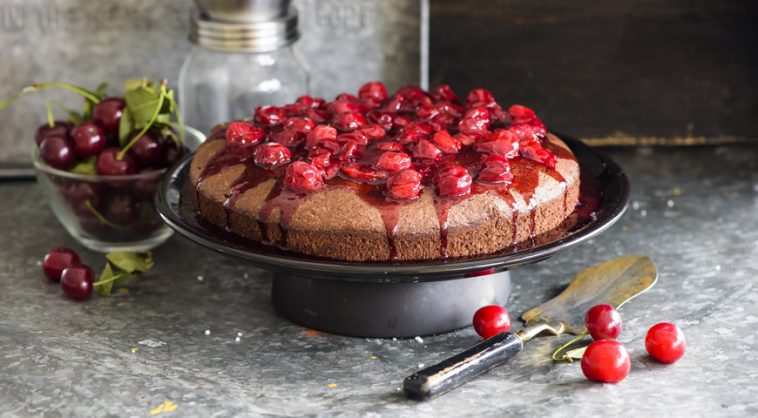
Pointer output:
108, 213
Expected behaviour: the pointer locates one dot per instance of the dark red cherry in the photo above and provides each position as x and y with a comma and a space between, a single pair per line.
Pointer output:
109, 165
108, 113
404, 185
444, 93
452, 180
59, 128
57, 152
271, 155
148, 150
57, 260
83, 196
374, 91
77, 281
89, 139
603, 322
269, 115
173, 152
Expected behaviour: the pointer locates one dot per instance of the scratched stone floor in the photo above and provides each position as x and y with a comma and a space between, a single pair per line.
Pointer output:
694, 211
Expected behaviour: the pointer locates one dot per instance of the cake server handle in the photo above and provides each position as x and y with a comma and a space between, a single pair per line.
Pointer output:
460, 368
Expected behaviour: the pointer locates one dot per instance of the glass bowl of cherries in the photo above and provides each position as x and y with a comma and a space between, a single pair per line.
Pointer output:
99, 169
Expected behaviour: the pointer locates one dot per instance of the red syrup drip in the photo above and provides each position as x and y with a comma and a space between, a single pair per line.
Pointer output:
287, 201
250, 178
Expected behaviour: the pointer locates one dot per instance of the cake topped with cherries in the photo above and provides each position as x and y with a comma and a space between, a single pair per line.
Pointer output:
415, 175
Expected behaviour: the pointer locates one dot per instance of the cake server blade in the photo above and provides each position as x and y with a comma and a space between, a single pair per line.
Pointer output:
613, 282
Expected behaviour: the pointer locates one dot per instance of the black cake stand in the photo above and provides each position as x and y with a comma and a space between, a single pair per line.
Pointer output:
393, 299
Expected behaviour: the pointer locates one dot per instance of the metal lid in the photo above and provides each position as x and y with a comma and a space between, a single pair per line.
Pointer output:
243, 11
261, 36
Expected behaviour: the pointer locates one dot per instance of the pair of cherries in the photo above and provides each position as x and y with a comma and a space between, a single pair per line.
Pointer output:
605, 359
64, 265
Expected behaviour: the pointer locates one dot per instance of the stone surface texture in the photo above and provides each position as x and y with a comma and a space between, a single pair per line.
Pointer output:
694, 211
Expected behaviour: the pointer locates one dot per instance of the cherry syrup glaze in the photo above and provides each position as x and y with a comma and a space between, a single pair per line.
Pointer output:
359, 142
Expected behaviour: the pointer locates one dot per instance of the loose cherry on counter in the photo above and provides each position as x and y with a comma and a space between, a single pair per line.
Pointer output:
77, 281
665, 342
57, 260
491, 320
606, 361
603, 322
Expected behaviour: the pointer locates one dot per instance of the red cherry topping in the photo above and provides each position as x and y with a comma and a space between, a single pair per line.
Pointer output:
475, 122
287, 138
495, 169
363, 172
301, 176
390, 146
349, 121
404, 185
271, 154
269, 115
393, 161
77, 280
452, 180
414, 132
319, 135
491, 320
373, 131
501, 142
373, 90
535, 152
446, 143
665, 342
313, 102
480, 97
606, 361
521, 114
56, 261
603, 322
298, 124
243, 134
444, 93
426, 149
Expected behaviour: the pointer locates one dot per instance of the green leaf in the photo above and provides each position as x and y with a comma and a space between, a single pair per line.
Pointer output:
575, 354
109, 279
131, 262
87, 166
125, 127
142, 104
136, 83
101, 91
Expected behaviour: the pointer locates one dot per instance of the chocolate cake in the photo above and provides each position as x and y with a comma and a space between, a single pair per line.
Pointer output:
413, 176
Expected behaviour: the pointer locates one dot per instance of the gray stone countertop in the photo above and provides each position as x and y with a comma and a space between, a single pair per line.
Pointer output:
694, 211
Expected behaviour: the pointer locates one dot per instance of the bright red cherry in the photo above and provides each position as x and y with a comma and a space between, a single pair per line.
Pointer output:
532, 150
480, 97
148, 150
491, 320
108, 113
349, 121
57, 152
404, 185
108, 163
393, 161
59, 128
269, 115
77, 280
665, 342
444, 93
271, 154
301, 176
495, 169
243, 134
452, 180
56, 261
300, 125
603, 322
89, 139
521, 114
363, 172
606, 361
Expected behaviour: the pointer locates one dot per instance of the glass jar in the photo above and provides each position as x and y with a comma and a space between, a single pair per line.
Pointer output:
238, 65
217, 86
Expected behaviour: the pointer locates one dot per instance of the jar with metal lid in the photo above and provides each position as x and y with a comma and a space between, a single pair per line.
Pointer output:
242, 57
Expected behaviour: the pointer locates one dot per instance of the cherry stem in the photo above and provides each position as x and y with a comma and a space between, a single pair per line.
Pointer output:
92, 97
153, 117
100, 216
111, 279
562, 349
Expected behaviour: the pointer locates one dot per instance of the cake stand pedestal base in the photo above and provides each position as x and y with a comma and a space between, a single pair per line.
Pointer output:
387, 310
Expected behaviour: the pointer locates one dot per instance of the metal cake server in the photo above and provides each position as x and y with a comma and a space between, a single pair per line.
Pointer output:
613, 282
